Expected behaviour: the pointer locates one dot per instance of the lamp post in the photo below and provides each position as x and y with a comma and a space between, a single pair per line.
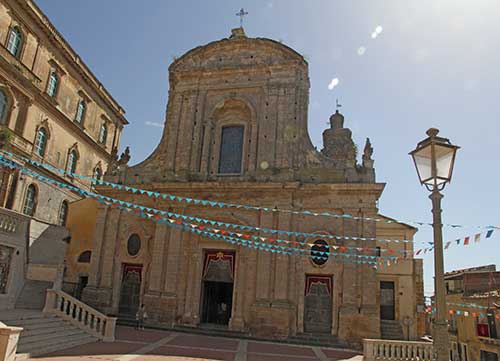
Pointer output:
434, 158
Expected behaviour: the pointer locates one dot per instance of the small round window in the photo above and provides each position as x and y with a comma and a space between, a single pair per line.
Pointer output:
134, 245
319, 252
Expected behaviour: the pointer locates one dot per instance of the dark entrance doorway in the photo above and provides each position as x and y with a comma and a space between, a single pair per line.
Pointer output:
217, 290
130, 290
217, 302
387, 310
318, 304
82, 283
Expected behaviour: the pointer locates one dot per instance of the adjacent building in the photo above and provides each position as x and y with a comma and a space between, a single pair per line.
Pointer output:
473, 298
236, 132
53, 110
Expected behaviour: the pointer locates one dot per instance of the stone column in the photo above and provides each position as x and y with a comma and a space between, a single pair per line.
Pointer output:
157, 257
264, 263
99, 243
236, 323
197, 264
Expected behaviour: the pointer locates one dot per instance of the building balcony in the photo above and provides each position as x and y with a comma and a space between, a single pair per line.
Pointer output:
397, 350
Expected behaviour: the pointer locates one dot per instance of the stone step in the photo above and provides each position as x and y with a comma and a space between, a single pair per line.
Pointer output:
53, 348
41, 325
34, 322
15, 315
26, 333
59, 343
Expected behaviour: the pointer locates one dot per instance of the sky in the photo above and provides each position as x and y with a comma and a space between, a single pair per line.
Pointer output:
430, 63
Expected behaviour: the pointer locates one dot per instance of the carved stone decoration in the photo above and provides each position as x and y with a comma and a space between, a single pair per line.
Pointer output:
338, 144
367, 154
125, 157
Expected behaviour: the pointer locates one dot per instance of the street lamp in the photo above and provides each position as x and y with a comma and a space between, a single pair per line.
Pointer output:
434, 158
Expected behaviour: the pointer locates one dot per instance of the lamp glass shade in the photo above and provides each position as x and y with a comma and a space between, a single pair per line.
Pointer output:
423, 162
444, 158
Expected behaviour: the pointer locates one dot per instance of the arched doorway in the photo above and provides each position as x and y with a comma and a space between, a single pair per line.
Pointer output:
130, 290
217, 287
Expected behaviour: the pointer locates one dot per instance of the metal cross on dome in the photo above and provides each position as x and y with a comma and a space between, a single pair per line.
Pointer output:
241, 14
337, 104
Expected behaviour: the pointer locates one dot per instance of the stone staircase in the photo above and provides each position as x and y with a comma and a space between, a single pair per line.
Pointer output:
391, 330
43, 333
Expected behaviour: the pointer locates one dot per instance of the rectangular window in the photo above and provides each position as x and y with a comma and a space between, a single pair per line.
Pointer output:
231, 150
488, 356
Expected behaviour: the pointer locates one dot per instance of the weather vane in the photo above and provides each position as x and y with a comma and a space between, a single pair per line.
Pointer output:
337, 104
241, 14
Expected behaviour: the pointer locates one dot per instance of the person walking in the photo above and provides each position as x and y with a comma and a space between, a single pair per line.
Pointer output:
140, 316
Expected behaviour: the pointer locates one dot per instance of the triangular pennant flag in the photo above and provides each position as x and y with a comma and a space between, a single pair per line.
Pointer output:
466, 241
447, 245
489, 233
477, 238
457, 241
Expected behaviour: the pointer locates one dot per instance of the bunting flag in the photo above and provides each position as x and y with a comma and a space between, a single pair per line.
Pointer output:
252, 241
203, 220
200, 202
466, 241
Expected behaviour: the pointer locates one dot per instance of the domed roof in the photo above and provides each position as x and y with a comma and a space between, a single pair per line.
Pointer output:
239, 50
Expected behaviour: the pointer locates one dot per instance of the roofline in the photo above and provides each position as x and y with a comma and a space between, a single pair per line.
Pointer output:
398, 222
198, 48
86, 72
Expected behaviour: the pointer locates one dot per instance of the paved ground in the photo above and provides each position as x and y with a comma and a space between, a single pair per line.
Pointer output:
153, 345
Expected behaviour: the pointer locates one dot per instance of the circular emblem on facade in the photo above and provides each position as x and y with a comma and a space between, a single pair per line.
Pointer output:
133, 245
319, 252
264, 165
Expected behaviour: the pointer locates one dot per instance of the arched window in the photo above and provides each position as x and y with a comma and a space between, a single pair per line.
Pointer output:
52, 84
231, 150
30, 201
97, 173
80, 111
15, 41
63, 213
84, 257
3, 106
133, 245
72, 159
103, 134
320, 252
41, 142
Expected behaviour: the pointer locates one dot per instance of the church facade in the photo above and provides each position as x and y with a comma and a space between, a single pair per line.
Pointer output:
236, 132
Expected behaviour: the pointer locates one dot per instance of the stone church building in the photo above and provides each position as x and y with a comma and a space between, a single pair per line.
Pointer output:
236, 132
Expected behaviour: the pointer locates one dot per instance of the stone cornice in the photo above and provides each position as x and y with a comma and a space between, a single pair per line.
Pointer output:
73, 58
339, 188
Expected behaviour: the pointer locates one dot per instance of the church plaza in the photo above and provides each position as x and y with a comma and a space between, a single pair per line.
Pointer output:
149, 345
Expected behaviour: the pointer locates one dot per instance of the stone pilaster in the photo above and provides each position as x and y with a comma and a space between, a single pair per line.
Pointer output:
157, 258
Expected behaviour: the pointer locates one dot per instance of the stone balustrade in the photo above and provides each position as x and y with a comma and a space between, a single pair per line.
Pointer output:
81, 315
397, 350
11, 222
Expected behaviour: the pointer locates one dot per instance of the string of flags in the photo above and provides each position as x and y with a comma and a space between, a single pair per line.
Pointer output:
463, 312
234, 226
194, 201
285, 250
168, 216
221, 234
465, 241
